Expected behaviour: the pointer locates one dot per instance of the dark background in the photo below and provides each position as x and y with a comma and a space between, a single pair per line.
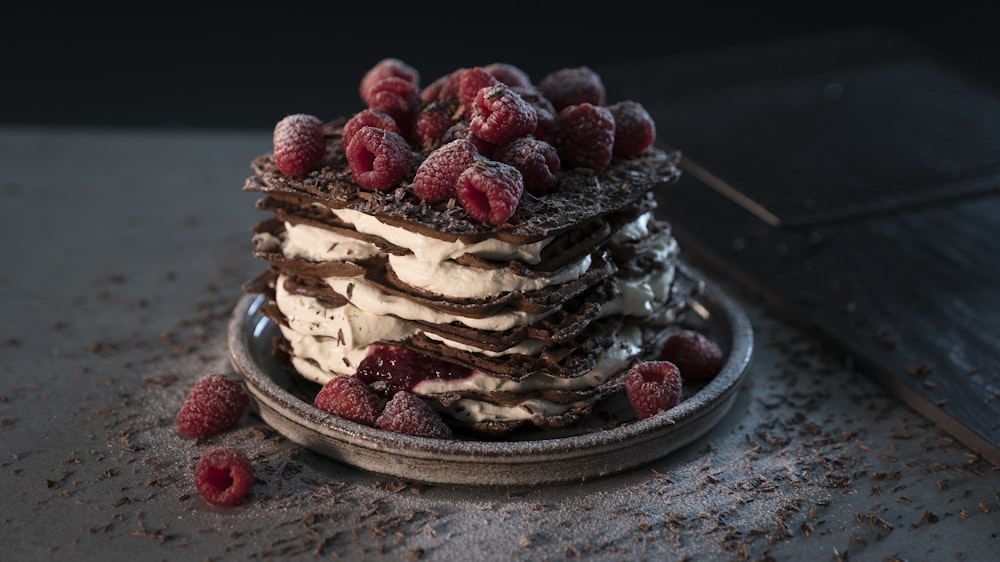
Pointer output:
171, 65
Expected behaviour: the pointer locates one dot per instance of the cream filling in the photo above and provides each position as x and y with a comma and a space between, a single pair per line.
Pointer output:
430, 249
450, 279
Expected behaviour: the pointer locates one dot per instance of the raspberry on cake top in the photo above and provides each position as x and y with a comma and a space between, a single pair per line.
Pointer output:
484, 243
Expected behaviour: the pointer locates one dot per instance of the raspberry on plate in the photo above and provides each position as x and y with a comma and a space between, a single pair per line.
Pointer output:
349, 398
408, 413
378, 159
490, 191
298, 144
215, 403
588, 136
698, 357
635, 129
653, 387
223, 476
572, 86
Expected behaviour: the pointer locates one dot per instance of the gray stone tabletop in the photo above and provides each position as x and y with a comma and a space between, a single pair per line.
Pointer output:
124, 255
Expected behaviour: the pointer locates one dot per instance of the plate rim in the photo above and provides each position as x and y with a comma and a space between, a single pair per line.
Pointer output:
540, 461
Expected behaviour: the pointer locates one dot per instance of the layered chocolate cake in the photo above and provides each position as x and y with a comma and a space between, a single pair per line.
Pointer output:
483, 242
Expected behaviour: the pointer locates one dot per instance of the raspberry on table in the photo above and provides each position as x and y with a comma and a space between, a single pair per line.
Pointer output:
392, 368
215, 403
349, 398
368, 118
298, 144
537, 160
431, 123
653, 387
223, 476
490, 191
509, 74
408, 413
587, 137
500, 114
470, 81
697, 356
635, 129
572, 86
378, 159
437, 175
386, 68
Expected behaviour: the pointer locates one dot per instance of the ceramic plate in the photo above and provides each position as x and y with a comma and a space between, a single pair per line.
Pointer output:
283, 401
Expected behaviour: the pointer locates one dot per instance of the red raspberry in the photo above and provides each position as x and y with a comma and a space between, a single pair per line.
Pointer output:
431, 123
698, 357
653, 387
509, 74
461, 130
500, 114
378, 159
537, 161
215, 403
470, 81
368, 118
437, 175
349, 398
572, 86
444, 88
298, 144
397, 368
386, 68
547, 128
395, 96
588, 136
490, 191
408, 413
223, 476
635, 130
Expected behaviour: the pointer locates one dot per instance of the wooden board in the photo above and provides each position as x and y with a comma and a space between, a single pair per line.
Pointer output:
855, 182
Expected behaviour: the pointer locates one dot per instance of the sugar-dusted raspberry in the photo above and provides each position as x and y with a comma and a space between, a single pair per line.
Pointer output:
462, 130
587, 136
490, 191
536, 159
431, 123
500, 114
653, 387
470, 81
509, 74
215, 403
368, 118
408, 413
392, 368
697, 356
395, 96
635, 130
572, 86
386, 68
378, 159
223, 476
444, 88
298, 143
349, 398
437, 175
547, 127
